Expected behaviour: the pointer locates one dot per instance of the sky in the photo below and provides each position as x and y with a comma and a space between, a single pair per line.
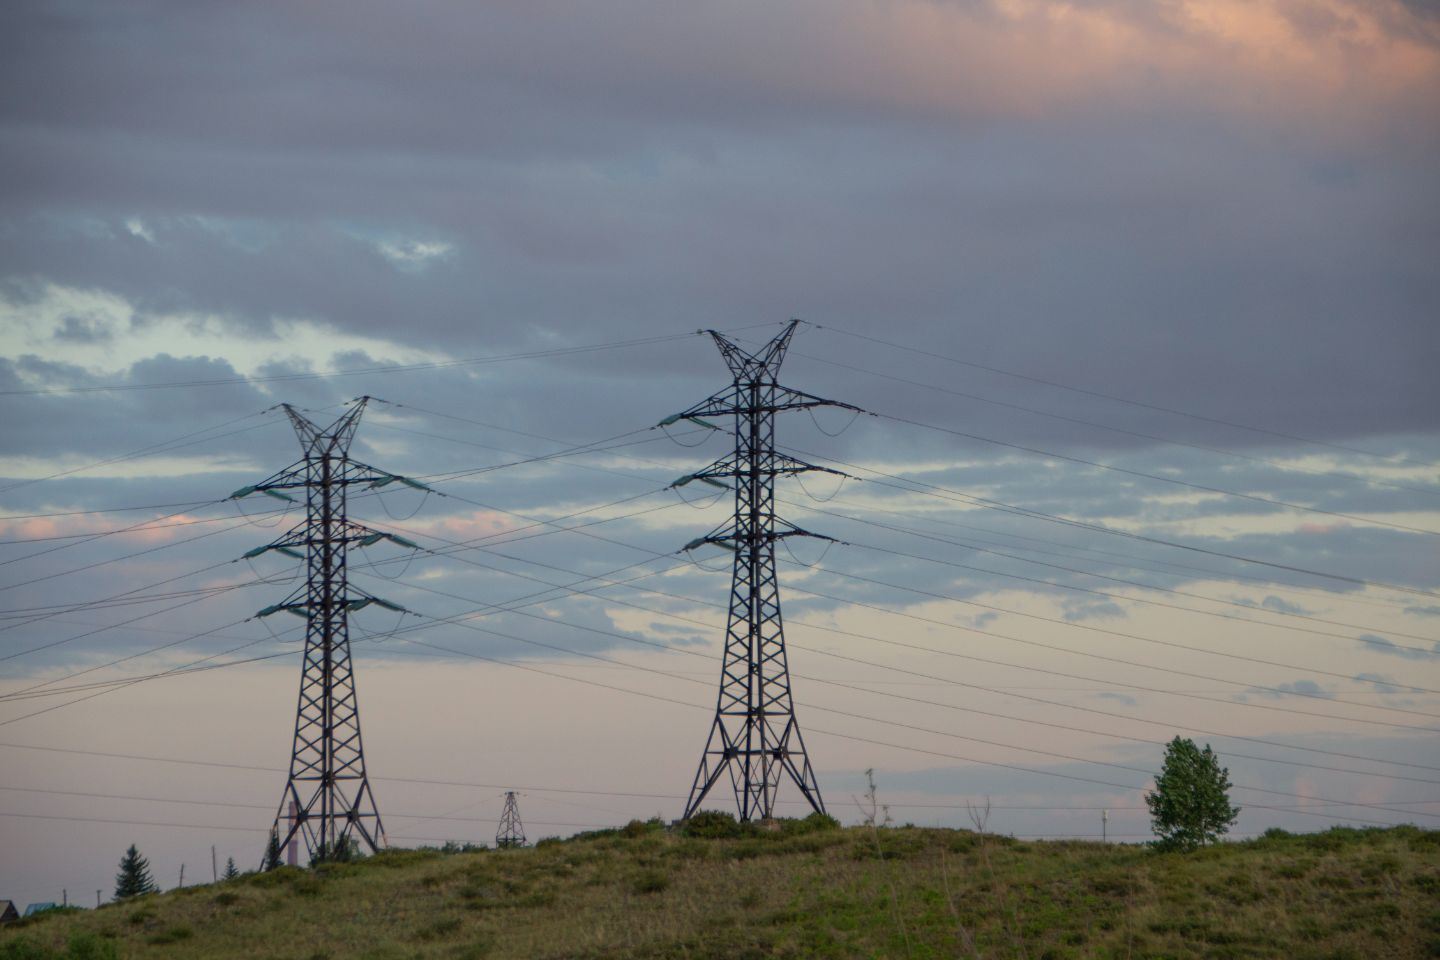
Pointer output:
1138, 298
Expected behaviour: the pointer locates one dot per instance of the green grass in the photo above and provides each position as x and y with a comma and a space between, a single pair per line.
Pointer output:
644, 892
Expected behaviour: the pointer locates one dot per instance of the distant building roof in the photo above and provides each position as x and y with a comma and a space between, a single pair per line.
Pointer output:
8, 912
35, 908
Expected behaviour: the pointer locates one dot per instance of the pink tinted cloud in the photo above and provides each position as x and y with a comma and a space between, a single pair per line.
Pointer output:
472, 525
46, 530
1035, 57
1321, 528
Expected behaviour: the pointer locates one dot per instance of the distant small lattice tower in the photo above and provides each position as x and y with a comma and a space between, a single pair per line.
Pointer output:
511, 832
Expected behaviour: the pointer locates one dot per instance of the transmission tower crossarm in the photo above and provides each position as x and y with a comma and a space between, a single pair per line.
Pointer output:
730, 540
294, 477
775, 465
734, 402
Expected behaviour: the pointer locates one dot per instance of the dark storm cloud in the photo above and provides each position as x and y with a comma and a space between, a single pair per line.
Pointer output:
589, 175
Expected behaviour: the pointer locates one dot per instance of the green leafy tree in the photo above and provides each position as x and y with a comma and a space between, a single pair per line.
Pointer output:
134, 878
1190, 805
231, 871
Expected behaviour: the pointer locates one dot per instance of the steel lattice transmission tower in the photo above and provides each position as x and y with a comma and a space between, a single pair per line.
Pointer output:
511, 832
327, 801
755, 736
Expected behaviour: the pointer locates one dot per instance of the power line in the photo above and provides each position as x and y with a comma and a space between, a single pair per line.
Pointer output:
903, 747
90, 633
394, 368
143, 526
1230, 703
667, 648
163, 446
1111, 596
1270, 582
945, 493
119, 684
185, 637
1216, 653
1204, 488
841, 632
176, 671
542, 789
953, 626
128, 681
619, 474
1047, 583
1121, 430
594, 656
693, 600
250, 520
533, 669
425, 817
1119, 399
1132, 636
82, 513
1070, 551
55, 611
882, 693
128, 556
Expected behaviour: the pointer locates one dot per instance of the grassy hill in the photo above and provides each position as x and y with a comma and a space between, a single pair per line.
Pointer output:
801, 891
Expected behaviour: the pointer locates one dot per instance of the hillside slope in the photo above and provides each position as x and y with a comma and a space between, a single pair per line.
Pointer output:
907, 892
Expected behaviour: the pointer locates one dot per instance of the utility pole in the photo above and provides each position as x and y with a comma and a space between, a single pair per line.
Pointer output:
1104, 826
755, 736
214, 867
511, 832
182, 875
328, 793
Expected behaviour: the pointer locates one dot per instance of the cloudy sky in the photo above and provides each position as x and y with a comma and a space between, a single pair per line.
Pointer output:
1141, 294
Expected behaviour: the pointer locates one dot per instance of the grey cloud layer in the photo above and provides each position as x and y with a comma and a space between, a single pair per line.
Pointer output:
630, 171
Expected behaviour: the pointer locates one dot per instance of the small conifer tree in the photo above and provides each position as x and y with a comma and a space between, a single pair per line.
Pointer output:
231, 872
272, 852
1190, 805
134, 878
